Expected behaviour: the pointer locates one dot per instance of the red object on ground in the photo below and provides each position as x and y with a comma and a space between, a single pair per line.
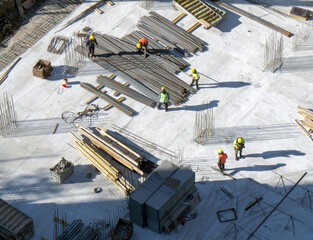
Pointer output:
64, 85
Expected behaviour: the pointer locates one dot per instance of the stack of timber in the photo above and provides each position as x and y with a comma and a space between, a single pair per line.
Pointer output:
204, 13
14, 224
306, 124
103, 163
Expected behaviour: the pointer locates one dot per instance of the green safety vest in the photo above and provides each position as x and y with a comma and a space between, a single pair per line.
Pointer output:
196, 75
236, 144
164, 97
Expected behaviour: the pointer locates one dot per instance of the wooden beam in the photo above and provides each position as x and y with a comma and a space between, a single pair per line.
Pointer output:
179, 18
254, 18
5, 75
303, 129
193, 27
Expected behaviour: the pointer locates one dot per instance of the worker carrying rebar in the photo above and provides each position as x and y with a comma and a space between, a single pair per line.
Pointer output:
195, 78
239, 144
221, 160
164, 98
142, 43
91, 42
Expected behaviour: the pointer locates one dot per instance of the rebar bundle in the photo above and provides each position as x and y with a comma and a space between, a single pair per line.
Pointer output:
302, 34
204, 125
8, 117
273, 52
71, 231
72, 59
58, 45
105, 81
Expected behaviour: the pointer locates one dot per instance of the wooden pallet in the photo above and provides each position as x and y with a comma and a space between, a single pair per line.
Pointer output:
204, 13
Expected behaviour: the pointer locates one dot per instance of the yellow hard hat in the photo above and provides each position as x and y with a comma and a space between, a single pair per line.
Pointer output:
193, 70
92, 37
220, 151
138, 45
163, 88
239, 140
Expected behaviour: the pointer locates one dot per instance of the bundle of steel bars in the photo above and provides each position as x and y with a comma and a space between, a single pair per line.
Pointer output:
71, 231
167, 32
125, 109
105, 81
8, 117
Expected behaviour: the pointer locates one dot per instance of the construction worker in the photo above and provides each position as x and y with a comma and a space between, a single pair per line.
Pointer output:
221, 160
142, 43
91, 42
239, 144
195, 78
164, 98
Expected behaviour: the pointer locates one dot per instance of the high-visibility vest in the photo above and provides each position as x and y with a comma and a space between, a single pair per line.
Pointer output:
196, 75
239, 145
223, 158
143, 41
164, 97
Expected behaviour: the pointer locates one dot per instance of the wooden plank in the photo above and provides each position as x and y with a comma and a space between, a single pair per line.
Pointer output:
98, 10
305, 112
254, 18
5, 75
193, 27
300, 13
109, 106
179, 18
55, 128
204, 23
303, 129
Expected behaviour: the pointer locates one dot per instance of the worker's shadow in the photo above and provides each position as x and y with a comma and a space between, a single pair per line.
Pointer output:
61, 72
196, 108
224, 84
256, 168
275, 153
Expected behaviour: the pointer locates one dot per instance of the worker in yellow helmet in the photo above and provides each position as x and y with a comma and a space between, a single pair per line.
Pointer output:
164, 98
91, 42
221, 160
142, 43
195, 78
239, 144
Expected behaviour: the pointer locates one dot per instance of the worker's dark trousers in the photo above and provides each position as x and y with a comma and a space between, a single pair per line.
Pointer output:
236, 152
221, 167
194, 81
91, 51
165, 104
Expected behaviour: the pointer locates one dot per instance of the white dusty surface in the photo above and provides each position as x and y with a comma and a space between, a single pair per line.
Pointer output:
247, 101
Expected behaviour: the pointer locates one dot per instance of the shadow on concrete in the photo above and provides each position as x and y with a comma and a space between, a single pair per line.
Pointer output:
196, 108
61, 72
256, 168
230, 21
277, 153
297, 64
224, 85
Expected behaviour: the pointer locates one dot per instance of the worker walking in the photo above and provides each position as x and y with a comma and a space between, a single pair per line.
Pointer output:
142, 43
221, 160
91, 42
164, 98
239, 144
195, 78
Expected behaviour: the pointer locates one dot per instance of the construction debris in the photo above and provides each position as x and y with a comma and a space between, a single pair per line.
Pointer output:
300, 13
203, 12
14, 224
62, 170
123, 230
8, 117
273, 52
42, 69
306, 122
58, 45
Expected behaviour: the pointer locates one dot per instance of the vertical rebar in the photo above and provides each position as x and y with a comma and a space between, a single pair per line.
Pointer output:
273, 52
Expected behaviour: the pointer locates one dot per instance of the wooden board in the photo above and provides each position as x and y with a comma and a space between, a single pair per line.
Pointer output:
300, 13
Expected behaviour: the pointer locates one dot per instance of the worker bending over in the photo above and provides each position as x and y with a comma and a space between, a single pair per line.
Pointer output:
221, 160
239, 144
142, 43
195, 78
91, 42
164, 98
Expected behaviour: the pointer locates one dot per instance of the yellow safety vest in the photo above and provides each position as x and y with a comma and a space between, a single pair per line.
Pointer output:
164, 97
196, 75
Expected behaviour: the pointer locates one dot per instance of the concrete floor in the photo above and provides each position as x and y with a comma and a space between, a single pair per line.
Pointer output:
247, 101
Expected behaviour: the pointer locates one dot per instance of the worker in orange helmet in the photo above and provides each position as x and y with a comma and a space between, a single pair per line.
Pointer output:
142, 43
221, 160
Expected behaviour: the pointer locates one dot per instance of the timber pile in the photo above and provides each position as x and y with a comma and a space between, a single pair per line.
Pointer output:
106, 152
306, 124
